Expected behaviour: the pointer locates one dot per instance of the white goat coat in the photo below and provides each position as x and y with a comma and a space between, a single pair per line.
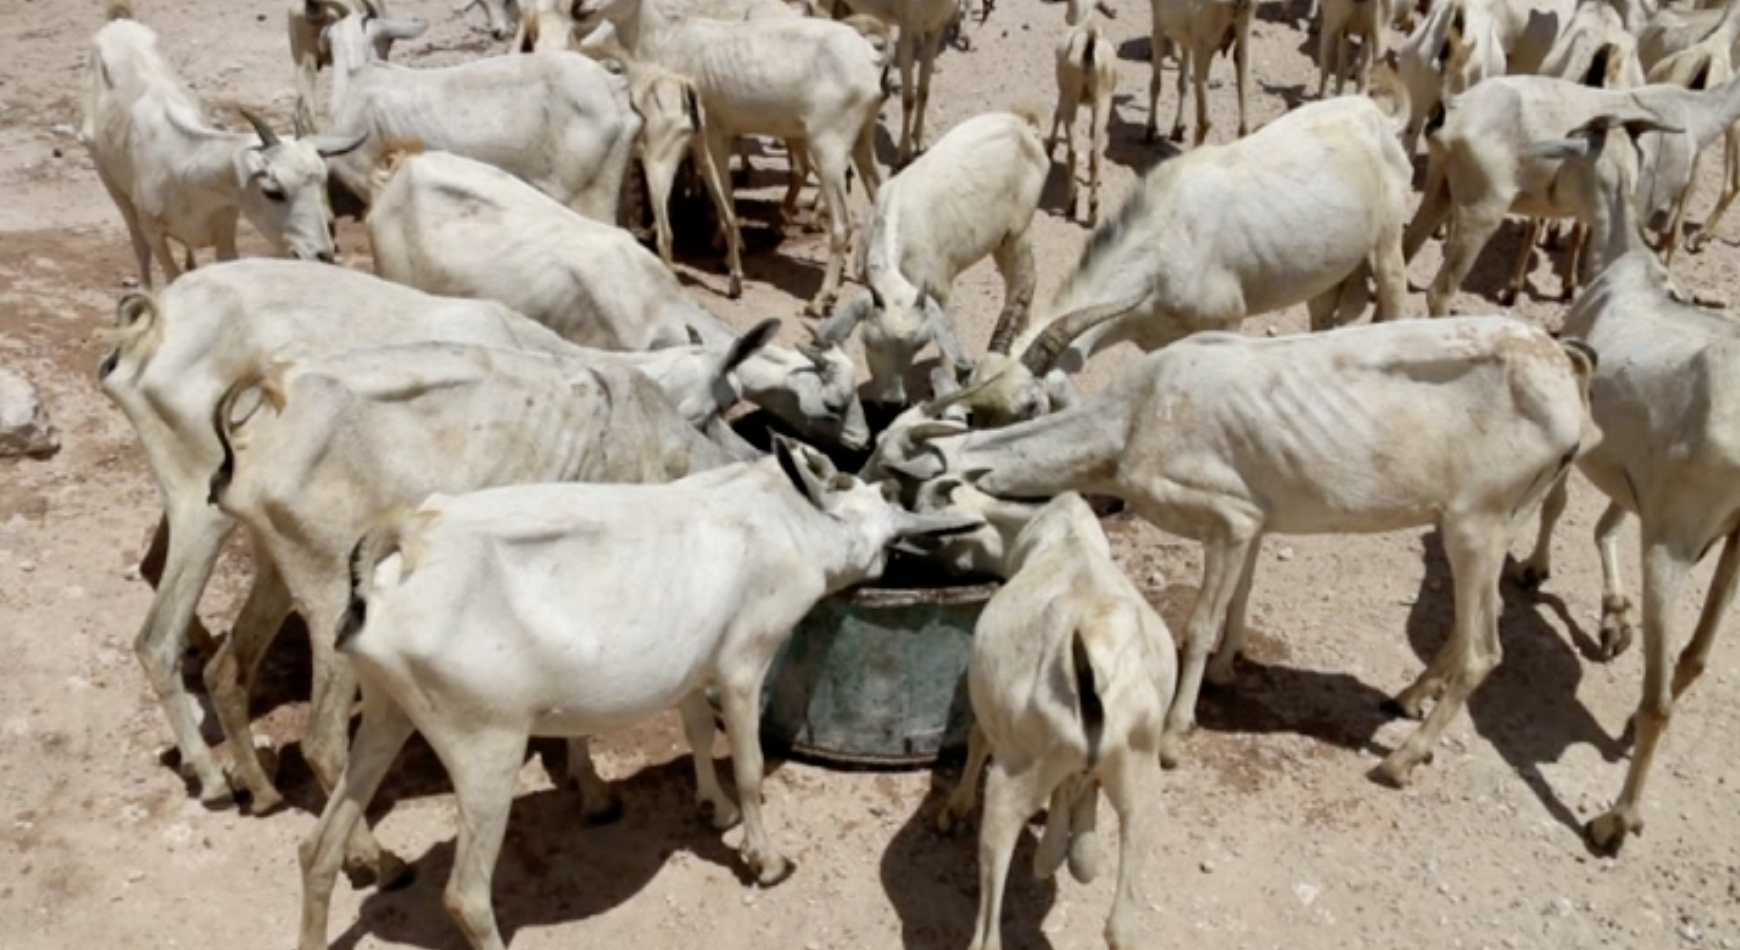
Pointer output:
180, 351
1285, 215
558, 121
1465, 423
590, 282
1065, 600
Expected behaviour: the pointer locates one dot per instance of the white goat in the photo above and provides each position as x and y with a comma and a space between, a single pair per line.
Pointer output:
1462, 423
1087, 70
1343, 21
673, 126
1595, 50
1479, 168
1664, 398
591, 283
358, 436
175, 353
1071, 676
1706, 63
972, 195
1461, 42
1193, 31
921, 25
304, 21
1203, 243
173, 176
560, 122
501, 16
641, 596
811, 81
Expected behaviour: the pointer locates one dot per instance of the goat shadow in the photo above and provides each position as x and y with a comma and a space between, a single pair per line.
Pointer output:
932, 880
551, 869
1527, 707
1271, 696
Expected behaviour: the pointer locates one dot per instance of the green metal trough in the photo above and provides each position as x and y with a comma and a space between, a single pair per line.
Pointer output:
876, 676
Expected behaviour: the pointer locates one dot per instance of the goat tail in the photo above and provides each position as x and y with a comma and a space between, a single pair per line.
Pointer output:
136, 333
1390, 92
1584, 361
119, 10
370, 550
1031, 114
265, 386
1090, 704
390, 156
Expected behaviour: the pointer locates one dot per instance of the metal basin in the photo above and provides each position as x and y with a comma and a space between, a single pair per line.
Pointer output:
876, 676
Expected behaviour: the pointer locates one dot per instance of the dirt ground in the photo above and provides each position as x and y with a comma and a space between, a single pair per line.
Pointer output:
1274, 838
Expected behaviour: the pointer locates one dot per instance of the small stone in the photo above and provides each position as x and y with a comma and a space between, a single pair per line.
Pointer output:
24, 425
135, 876
1207, 867
27, 566
1270, 331
749, 899
1560, 907
1307, 893
1284, 554
129, 282
64, 129
1689, 932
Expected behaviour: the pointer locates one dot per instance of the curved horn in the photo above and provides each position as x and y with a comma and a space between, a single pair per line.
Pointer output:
371, 10
1003, 334
268, 138
1043, 352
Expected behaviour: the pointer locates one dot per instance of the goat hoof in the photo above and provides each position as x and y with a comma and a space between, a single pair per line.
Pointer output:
947, 822
1530, 577
723, 816
771, 870
388, 873
1171, 750
734, 290
1606, 833
217, 796
1395, 770
1395, 708
1615, 639
264, 802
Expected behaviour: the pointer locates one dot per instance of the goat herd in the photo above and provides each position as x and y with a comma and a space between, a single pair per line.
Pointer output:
365, 431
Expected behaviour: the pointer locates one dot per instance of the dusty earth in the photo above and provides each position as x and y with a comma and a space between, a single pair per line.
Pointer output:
1275, 837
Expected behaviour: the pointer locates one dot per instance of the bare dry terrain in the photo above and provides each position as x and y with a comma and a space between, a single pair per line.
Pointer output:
1274, 838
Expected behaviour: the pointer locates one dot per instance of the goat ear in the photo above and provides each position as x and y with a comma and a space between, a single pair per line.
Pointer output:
923, 432
936, 524
1581, 148
839, 325
797, 469
400, 29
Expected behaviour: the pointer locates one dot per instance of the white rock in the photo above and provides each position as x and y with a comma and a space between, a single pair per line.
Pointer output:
1307, 893
24, 426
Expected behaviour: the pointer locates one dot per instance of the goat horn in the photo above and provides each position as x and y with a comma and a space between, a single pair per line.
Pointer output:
1003, 334
372, 10
268, 138
1041, 355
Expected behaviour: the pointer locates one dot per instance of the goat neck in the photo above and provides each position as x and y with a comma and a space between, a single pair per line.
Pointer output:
1078, 449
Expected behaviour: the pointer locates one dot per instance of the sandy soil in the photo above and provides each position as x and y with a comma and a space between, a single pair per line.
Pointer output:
1275, 838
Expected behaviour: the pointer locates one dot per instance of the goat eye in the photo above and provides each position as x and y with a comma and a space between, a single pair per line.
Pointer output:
273, 191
